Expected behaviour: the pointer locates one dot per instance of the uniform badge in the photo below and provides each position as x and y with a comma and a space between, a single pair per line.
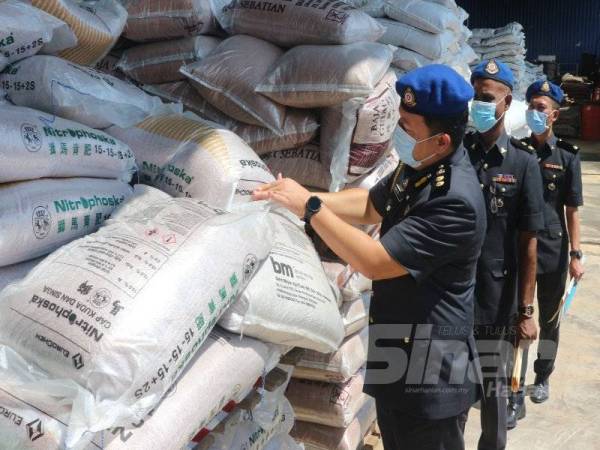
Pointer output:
492, 68
505, 179
552, 166
409, 98
545, 87
552, 186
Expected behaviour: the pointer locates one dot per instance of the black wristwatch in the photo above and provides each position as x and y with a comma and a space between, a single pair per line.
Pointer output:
313, 206
577, 254
526, 311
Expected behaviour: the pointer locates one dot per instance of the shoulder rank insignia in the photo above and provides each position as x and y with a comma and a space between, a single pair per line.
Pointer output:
441, 181
522, 145
567, 146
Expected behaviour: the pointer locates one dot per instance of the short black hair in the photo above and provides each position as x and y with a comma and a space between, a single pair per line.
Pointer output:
455, 126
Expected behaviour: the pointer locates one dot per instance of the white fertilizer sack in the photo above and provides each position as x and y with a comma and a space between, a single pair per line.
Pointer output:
37, 145
78, 93
288, 24
343, 72
335, 367
127, 308
374, 8
355, 313
407, 60
97, 25
37, 217
187, 157
290, 301
423, 15
10, 274
351, 283
387, 166
25, 30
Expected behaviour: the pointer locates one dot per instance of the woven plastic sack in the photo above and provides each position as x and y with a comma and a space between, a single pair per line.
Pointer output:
451, 4
357, 134
355, 313
408, 60
374, 8
15, 272
288, 24
386, 166
228, 77
36, 145
132, 303
25, 30
427, 44
97, 25
351, 283
334, 405
344, 72
37, 217
160, 62
290, 301
187, 157
423, 15
302, 164
322, 437
78, 93
336, 367
154, 20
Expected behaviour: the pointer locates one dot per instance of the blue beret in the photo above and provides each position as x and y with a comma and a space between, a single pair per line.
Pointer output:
434, 90
547, 89
493, 70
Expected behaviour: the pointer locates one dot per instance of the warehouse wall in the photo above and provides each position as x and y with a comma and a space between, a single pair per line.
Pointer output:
552, 27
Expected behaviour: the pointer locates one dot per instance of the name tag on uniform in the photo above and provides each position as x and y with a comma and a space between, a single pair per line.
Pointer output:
553, 166
505, 179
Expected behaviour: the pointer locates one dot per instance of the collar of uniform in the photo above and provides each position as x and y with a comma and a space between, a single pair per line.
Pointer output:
546, 150
501, 144
551, 142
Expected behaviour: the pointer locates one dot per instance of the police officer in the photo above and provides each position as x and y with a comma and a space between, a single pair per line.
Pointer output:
561, 172
422, 354
510, 180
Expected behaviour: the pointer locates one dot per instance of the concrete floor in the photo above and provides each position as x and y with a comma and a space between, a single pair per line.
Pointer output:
570, 419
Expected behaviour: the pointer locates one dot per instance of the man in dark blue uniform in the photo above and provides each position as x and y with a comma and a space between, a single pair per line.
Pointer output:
561, 172
511, 183
422, 358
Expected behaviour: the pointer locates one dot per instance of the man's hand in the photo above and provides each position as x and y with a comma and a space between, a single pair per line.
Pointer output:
576, 269
286, 192
527, 329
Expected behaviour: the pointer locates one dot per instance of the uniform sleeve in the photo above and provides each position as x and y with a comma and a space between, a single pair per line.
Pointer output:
574, 192
531, 204
431, 237
380, 192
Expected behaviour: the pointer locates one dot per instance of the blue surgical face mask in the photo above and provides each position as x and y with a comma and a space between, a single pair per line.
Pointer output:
537, 121
404, 145
483, 115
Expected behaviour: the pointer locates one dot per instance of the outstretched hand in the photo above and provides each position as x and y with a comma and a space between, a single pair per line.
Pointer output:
286, 192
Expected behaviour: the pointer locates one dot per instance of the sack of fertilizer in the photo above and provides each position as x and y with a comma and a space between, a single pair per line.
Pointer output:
37, 145
334, 405
322, 437
423, 15
228, 77
344, 72
133, 303
355, 313
160, 62
299, 126
108, 65
288, 24
369, 180
302, 164
408, 60
451, 4
39, 216
357, 134
10, 274
78, 93
25, 30
290, 301
374, 8
97, 25
336, 367
350, 283
155, 20
283, 442
432, 46
187, 157
257, 420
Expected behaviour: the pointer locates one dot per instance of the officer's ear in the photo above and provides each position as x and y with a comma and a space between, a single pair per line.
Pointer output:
508, 101
553, 116
444, 143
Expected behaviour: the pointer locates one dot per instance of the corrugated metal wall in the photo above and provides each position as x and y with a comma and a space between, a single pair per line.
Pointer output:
565, 28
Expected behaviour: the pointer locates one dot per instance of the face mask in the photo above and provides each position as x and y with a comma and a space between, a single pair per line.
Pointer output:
537, 120
405, 144
483, 115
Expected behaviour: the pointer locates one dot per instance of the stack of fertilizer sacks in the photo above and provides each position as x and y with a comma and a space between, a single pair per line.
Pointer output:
507, 44
424, 32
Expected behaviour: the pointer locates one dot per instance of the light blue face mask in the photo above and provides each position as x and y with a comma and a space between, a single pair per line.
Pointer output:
404, 145
537, 121
483, 115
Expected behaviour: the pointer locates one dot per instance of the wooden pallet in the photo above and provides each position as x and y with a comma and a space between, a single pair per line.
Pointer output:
372, 440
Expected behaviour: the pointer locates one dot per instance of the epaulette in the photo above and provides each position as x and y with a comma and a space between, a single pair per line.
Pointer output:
522, 145
567, 146
440, 181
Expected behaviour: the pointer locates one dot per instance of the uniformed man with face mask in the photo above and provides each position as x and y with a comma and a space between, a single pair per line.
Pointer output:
561, 173
422, 356
510, 180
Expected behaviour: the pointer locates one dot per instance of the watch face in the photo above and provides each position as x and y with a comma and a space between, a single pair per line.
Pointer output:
314, 203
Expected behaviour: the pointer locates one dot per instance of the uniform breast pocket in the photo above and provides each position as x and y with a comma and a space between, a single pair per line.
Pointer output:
553, 182
502, 198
